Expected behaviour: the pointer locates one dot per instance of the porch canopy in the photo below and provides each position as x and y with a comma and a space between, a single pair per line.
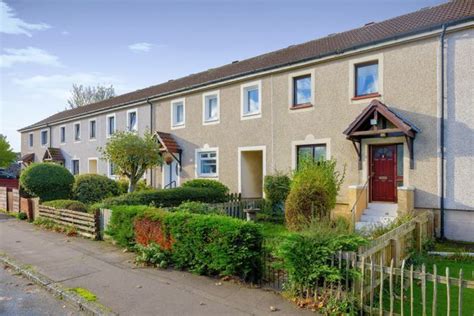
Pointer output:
27, 159
169, 145
380, 121
53, 155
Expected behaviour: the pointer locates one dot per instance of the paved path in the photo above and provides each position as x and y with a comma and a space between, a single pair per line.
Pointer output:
111, 275
18, 296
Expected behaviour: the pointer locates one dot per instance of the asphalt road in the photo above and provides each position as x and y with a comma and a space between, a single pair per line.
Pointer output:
18, 296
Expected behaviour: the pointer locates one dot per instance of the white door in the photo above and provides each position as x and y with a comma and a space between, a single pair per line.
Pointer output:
170, 175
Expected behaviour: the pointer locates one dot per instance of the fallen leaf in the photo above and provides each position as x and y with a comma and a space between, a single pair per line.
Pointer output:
273, 309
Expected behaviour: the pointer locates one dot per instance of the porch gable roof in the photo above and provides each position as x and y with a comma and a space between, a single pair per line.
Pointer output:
168, 142
53, 154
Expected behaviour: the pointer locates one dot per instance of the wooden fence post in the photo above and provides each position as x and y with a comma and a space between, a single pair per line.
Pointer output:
418, 239
3, 198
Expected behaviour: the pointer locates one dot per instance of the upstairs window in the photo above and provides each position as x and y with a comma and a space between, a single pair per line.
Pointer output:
30, 139
366, 79
132, 124
77, 132
75, 166
44, 138
207, 164
251, 100
177, 114
211, 107
110, 125
62, 134
302, 90
92, 129
316, 152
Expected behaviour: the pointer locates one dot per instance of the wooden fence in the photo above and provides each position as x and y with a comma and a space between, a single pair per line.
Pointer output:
397, 243
85, 224
236, 205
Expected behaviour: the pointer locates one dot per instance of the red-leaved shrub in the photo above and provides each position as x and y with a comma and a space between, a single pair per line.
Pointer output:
148, 231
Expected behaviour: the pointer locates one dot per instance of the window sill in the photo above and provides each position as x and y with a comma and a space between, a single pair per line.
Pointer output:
366, 96
249, 116
301, 106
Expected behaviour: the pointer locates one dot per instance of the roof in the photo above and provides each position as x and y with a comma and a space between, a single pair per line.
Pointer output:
168, 142
420, 21
53, 154
402, 123
28, 158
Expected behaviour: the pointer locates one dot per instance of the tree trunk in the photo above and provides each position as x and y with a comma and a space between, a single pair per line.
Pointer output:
132, 184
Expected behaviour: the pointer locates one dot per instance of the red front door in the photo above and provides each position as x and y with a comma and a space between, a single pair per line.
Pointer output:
383, 167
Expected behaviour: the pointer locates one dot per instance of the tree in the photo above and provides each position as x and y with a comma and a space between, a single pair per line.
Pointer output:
82, 95
132, 155
7, 156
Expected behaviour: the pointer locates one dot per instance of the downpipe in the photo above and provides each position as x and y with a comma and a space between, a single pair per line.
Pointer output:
442, 140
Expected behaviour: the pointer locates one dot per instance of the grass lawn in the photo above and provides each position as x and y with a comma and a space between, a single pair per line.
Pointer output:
454, 246
466, 264
273, 233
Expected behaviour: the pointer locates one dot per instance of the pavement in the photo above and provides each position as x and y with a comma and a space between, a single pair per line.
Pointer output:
111, 275
18, 296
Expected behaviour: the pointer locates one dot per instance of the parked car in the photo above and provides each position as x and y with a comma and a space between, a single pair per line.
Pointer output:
6, 175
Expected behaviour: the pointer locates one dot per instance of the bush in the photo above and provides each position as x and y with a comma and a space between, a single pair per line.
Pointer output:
198, 208
152, 254
48, 181
22, 216
215, 185
123, 186
205, 244
276, 188
68, 205
167, 198
91, 188
120, 227
313, 192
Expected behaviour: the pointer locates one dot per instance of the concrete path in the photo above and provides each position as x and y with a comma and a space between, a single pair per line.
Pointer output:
110, 274
18, 296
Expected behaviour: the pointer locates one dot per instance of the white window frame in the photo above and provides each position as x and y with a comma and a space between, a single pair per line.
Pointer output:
108, 135
205, 119
93, 120
109, 171
31, 140
72, 165
243, 98
88, 164
291, 89
309, 140
128, 120
74, 132
197, 166
172, 107
61, 142
47, 137
352, 78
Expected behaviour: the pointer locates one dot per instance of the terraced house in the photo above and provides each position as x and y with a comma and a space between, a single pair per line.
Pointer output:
391, 101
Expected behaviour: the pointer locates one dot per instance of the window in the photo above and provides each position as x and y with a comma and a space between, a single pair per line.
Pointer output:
77, 132
75, 166
251, 99
316, 152
178, 113
110, 125
366, 79
92, 129
132, 124
44, 138
207, 164
112, 170
211, 107
302, 90
30, 139
62, 134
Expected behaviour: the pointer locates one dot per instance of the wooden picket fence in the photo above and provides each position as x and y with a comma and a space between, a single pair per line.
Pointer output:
86, 225
236, 205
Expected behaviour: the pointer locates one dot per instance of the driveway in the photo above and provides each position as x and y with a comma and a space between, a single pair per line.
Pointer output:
110, 273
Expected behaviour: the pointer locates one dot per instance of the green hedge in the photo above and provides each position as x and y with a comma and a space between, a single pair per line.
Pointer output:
120, 227
91, 188
208, 244
68, 205
167, 198
207, 183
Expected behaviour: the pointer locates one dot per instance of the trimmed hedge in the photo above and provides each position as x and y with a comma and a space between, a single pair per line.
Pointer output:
91, 188
68, 205
120, 227
207, 183
204, 244
167, 198
48, 181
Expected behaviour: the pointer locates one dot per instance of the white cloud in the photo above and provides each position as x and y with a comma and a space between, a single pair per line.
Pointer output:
59, 87
29, 55
142, 47
65, 33
10, 24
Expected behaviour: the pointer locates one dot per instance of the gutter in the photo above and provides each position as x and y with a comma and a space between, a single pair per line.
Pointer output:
270, 68
441, 143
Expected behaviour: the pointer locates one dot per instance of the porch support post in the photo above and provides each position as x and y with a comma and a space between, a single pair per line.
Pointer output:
410, 151
358, 149
406, 200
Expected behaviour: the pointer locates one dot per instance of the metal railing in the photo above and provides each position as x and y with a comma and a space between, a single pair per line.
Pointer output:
357, 200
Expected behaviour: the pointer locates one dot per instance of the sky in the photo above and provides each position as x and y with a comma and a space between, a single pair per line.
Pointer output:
48, 45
